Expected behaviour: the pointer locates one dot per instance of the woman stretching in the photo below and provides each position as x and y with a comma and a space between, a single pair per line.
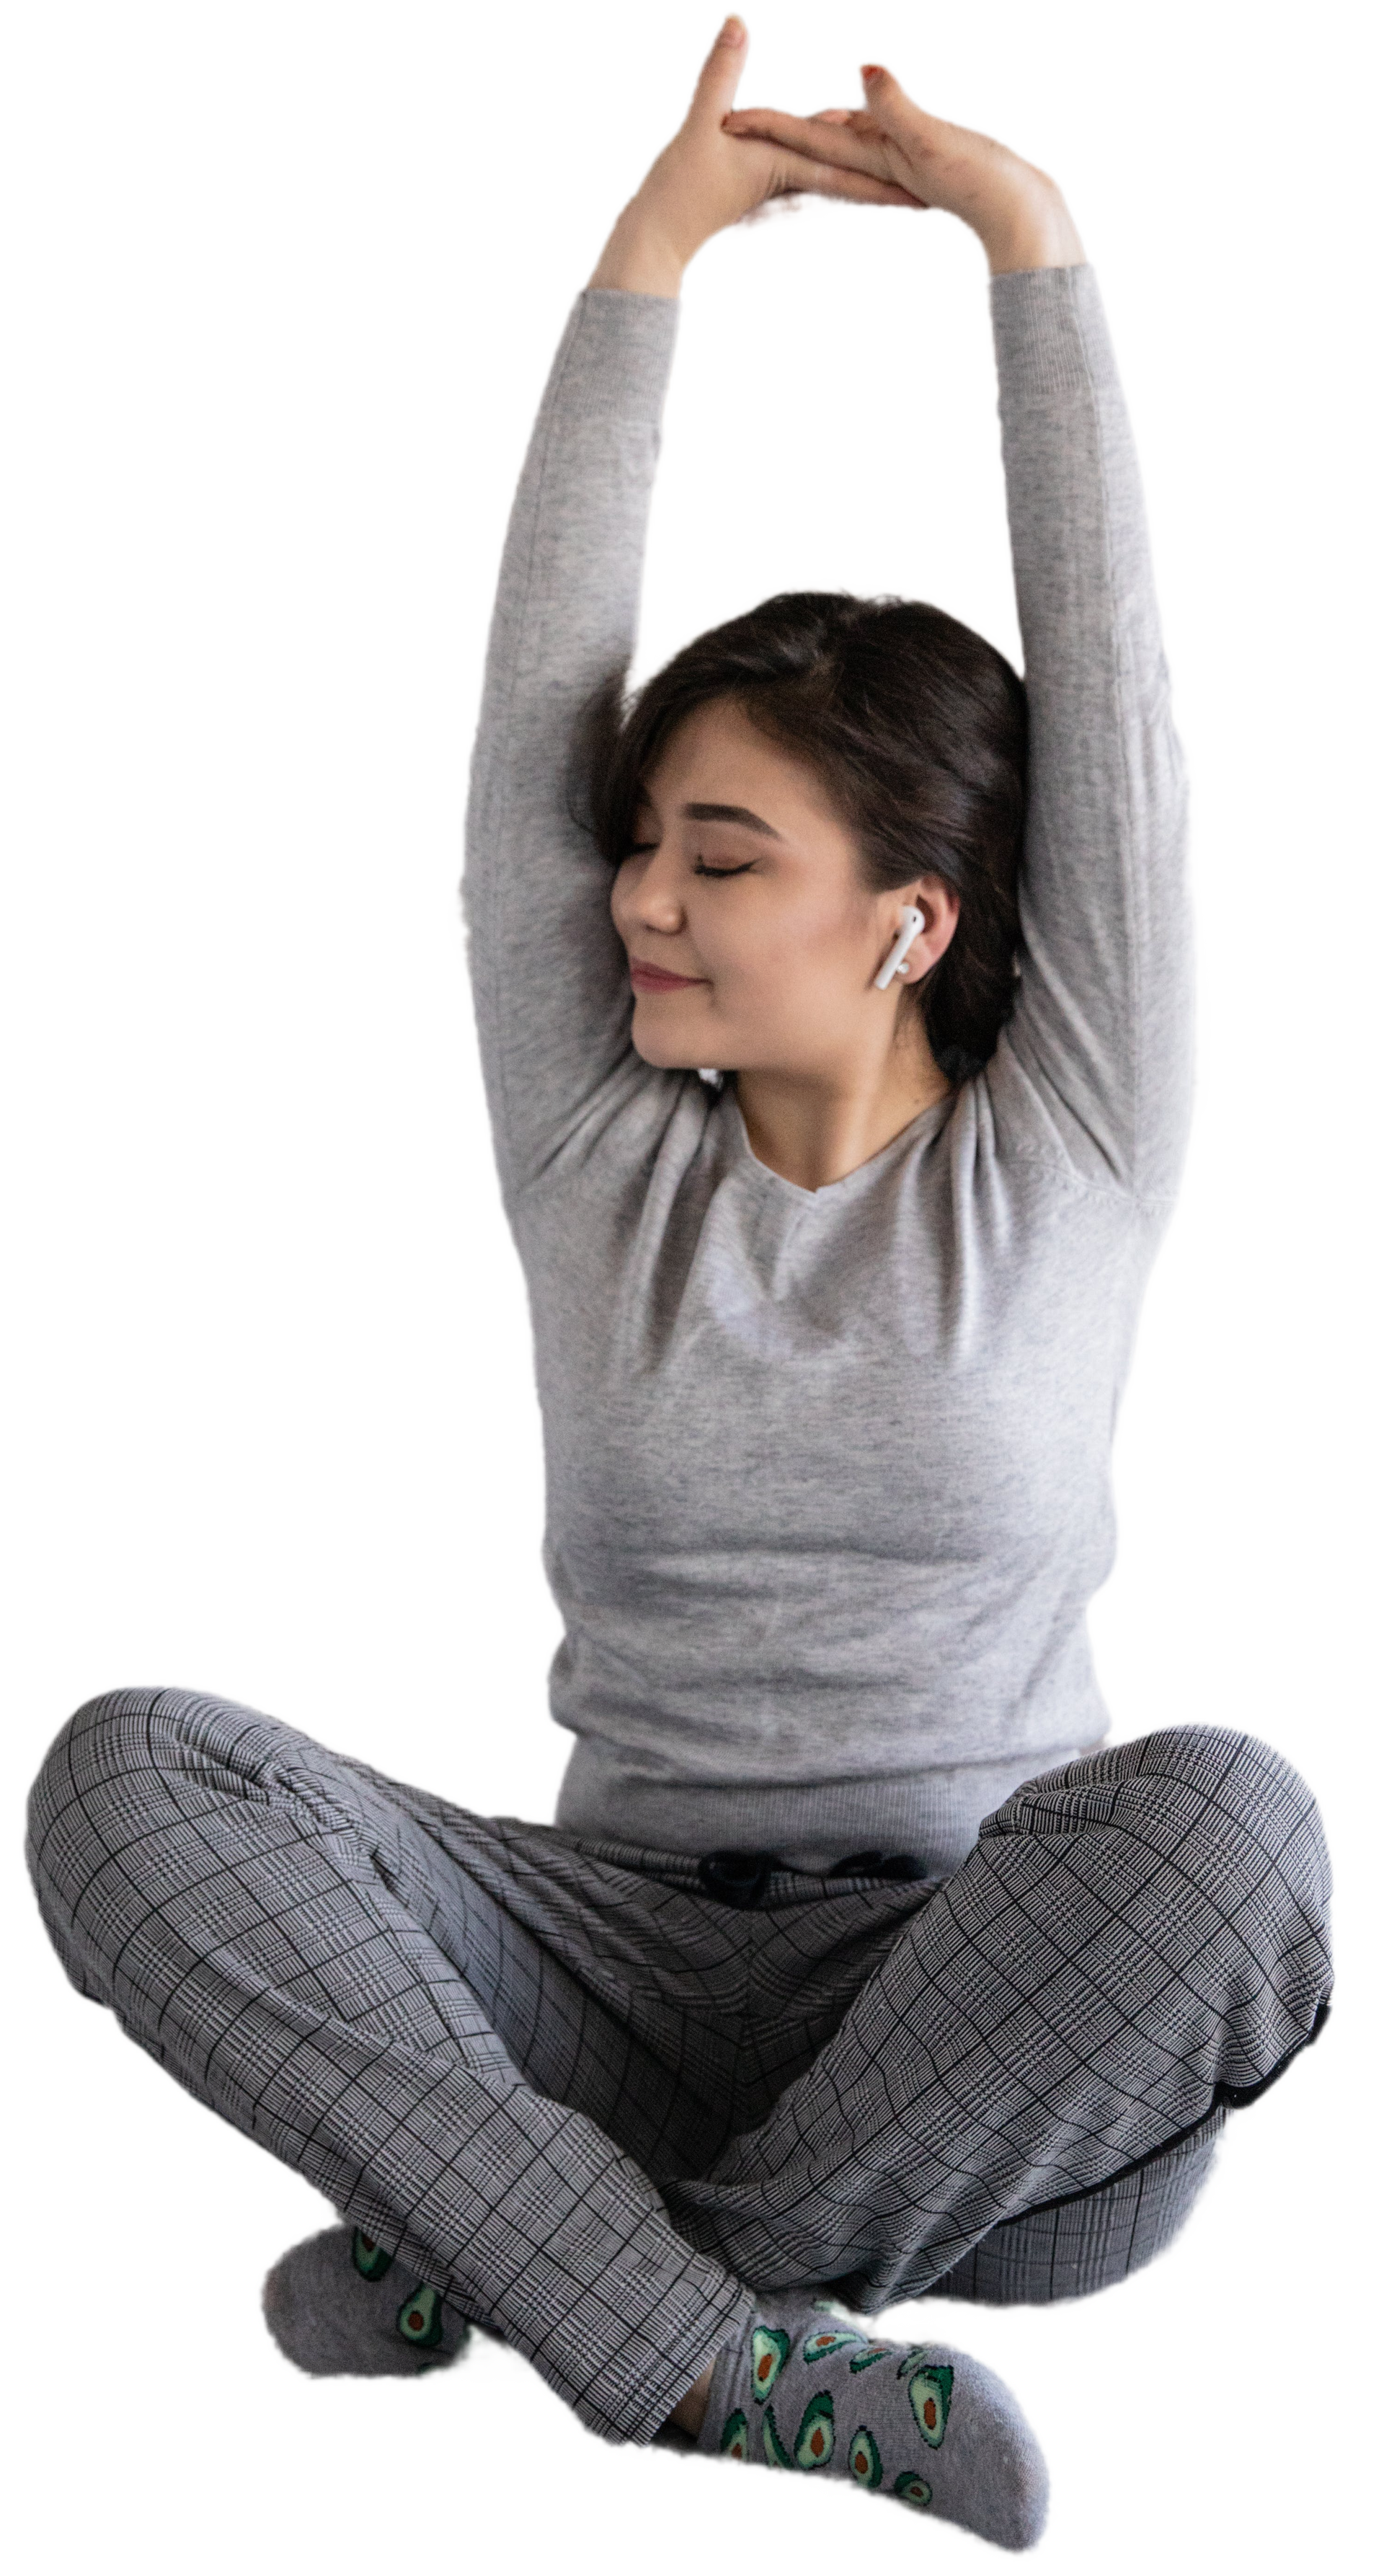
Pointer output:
835, 1030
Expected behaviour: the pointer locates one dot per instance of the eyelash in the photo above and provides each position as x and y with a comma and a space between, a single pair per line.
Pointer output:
640, 849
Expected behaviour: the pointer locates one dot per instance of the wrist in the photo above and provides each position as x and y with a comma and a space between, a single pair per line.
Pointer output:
639, 259
1033, 229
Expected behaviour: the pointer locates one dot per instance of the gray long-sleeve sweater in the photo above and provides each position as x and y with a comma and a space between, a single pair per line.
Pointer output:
829, 1472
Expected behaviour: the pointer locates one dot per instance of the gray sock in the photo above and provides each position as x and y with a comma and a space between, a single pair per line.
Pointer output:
808, 2391
340, 2303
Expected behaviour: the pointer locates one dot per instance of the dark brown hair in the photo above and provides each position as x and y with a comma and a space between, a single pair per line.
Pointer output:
918, 729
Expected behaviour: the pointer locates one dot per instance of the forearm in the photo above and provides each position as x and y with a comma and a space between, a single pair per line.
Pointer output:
1102, 1023
564, 621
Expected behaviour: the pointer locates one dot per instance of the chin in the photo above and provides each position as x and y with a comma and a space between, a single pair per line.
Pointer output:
670, 1050
663, 1054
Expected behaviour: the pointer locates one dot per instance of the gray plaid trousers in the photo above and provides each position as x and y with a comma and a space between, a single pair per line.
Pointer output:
600, 2108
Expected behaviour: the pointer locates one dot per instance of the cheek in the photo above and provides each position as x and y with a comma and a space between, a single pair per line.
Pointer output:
802, 948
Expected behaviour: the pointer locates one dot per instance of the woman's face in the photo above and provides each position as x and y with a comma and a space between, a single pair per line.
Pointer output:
753, 940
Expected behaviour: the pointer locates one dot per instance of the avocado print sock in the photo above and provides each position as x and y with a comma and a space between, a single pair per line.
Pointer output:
340, 2303
918, 2422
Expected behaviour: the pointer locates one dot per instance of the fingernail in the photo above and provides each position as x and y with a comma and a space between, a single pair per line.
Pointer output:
872, 71
733, 32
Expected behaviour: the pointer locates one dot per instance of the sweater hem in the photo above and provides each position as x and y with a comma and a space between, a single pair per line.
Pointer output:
812, 1825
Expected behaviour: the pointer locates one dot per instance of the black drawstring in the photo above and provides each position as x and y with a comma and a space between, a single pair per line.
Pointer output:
737, 1877
741, 1877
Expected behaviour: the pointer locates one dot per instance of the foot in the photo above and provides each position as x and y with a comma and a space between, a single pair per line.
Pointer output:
339, 2303
919, 2422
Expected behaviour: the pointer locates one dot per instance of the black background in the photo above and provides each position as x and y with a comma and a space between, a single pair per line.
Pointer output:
274, 1358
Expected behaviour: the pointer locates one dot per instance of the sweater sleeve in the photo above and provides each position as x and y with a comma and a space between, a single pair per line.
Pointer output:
549, 974
1095, 1066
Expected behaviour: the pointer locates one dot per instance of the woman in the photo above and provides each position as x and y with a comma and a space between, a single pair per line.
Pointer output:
850, 1964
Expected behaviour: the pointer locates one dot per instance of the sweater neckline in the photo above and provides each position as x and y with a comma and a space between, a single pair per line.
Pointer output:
851, 1184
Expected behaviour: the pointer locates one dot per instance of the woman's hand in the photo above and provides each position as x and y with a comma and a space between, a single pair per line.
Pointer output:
1017, 211
707, 179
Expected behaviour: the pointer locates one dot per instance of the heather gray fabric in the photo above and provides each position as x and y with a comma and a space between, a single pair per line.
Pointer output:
588, 2103
828, 1474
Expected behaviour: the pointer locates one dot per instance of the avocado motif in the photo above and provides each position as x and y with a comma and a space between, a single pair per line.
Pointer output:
420, 2318
735, 2436
769, 2350
774, 2451
863, 2460
370, 2259
916, 2352
827, 2340
872, 2353
929, 2395
817, 2432
912, 2489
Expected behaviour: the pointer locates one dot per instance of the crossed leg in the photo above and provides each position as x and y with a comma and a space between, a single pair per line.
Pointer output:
483, 2043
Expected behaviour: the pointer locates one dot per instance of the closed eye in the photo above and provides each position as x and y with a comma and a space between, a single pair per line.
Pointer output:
700, 869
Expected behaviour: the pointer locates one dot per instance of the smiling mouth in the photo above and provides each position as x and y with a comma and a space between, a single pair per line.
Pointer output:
656, 979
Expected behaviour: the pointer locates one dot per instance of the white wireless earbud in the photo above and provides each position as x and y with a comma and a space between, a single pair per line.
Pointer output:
912, 924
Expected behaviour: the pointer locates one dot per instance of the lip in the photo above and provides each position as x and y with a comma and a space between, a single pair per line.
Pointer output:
656, 979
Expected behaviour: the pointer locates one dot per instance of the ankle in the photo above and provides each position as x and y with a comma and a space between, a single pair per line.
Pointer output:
689, 2414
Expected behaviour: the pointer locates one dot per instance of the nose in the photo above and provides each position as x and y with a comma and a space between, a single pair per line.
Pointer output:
652, 898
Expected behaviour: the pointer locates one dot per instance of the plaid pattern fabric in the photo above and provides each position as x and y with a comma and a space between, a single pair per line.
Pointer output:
601, 2108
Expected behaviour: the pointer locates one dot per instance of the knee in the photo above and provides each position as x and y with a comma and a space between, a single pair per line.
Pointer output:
102, 1789
97, 1750
1240, 1814
1213, 1836
120, 1736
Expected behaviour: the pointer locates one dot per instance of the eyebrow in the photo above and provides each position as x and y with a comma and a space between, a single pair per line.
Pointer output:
731, 814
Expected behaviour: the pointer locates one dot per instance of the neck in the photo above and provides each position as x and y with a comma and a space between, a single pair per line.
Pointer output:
814, 1129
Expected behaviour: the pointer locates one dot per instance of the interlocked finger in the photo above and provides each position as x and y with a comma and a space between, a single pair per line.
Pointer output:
843, 137
805, 174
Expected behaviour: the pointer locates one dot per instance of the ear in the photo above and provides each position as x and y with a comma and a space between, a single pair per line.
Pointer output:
940, 906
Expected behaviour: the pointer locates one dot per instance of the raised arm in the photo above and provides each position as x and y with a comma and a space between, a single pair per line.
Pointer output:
1099, 1049
549, 974
1093, 1072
